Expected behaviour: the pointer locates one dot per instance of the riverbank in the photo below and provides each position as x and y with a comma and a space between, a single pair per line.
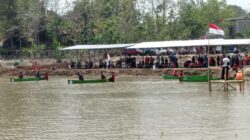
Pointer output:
94, 72
121, 72
61, 69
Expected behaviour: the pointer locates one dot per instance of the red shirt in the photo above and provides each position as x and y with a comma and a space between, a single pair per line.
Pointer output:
181, 74
113, 77
46, 76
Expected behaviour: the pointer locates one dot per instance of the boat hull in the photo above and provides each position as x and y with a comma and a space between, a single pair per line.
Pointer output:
26, 79
200, 78
87, 81
170, 77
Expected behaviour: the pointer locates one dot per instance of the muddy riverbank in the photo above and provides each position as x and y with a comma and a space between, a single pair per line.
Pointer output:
61, 69
94, 72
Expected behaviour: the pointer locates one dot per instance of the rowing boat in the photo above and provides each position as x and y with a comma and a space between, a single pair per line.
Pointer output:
87, 81
200, 78
170, 77
26, 79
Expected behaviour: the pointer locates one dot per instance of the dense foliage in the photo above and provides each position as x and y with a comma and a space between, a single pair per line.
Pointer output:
32, 23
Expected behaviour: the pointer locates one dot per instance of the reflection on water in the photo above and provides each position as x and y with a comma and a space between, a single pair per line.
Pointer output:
134, 108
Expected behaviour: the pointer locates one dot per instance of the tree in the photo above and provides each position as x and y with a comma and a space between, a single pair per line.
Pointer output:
42, 22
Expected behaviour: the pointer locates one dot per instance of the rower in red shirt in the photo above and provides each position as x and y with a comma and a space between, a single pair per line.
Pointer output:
112, 78
180, 74
46, 76
174, 72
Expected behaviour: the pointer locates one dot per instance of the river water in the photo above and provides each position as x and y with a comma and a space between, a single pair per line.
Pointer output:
133, 108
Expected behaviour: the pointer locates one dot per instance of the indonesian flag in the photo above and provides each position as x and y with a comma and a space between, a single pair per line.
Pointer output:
214, 29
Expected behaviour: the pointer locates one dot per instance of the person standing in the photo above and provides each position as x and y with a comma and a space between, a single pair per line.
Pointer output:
218, 61
36, 68
225, 67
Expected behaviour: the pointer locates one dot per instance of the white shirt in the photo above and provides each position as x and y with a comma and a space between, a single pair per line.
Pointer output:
226, 62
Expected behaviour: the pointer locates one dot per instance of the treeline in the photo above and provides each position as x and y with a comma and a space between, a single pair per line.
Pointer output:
38, 24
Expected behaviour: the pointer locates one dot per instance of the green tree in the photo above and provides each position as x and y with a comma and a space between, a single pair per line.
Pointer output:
40, 23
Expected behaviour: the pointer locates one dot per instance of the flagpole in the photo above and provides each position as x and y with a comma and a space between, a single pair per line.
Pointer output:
208, 65
213, 30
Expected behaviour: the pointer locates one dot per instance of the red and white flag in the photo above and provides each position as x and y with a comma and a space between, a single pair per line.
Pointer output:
214, 29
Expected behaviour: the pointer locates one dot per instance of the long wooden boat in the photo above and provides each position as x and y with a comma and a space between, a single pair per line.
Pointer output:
170, 77
26, 79
200, 78
87, 81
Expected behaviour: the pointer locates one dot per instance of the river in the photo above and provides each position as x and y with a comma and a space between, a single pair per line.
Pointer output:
133, 108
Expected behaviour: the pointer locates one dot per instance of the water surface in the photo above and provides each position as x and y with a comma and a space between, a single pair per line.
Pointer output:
133, 108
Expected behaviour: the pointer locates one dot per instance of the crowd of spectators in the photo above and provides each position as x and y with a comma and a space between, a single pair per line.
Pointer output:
168, 60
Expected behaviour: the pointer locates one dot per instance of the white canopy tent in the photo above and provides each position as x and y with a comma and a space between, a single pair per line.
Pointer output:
96, 47
190, 43
164, 44
93, 48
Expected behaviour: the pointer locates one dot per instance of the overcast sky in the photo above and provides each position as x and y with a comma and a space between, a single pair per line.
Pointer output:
245, 4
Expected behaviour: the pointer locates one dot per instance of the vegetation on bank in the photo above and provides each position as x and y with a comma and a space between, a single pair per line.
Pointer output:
30, 25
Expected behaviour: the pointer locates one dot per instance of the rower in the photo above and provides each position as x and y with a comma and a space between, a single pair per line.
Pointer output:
37, 74
46, 76
174, 72
180, 74
80, 76
20, 76
112, 78
103, 77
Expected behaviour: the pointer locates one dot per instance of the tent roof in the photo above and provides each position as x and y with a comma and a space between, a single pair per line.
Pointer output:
96, 47
191, 43
164, 44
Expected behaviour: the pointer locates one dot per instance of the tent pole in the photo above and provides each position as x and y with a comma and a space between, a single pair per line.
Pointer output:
89, 55
77, 55
208, 66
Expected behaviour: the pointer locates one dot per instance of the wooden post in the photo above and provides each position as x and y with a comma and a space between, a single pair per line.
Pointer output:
224, 86
209, 79
227, 86
240, 86
243, 83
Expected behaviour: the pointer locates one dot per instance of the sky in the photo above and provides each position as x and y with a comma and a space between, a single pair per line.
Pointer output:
245, 4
